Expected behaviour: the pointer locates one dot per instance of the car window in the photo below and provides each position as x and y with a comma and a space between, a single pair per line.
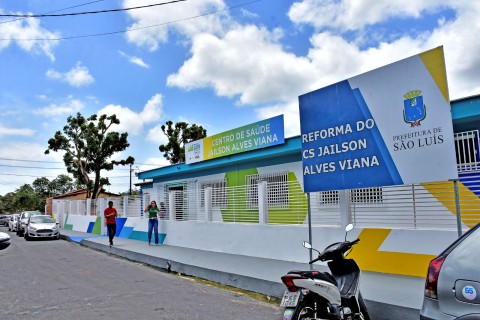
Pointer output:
41, 219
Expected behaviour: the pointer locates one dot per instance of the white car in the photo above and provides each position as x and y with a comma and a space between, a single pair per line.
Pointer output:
42, 227
4, 240
12, 222
23, 220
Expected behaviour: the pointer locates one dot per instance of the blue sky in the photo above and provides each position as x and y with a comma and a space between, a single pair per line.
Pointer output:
203, 63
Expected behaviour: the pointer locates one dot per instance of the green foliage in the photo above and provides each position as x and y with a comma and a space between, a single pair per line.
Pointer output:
33, 197
62, 184
178, 135
88, 145
42, 187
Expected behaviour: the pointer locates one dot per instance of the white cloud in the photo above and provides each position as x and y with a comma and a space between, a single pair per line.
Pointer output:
156, 135
290, 116
248, 62
133, 122
13, 32
24, 132
135, 60
355, 14
78, 76
152, 163
182, 12
71, 106
13, 178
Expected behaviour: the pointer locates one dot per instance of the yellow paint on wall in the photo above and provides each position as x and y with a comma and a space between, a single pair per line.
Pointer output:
469, 201
435, 63
368, 256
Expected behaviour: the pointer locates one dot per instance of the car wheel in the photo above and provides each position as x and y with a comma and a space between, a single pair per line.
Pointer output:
26, 236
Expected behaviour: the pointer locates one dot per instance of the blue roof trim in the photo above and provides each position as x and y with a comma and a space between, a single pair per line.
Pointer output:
465, 108
290, 151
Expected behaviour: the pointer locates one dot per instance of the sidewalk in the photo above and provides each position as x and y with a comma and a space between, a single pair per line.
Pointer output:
249, 273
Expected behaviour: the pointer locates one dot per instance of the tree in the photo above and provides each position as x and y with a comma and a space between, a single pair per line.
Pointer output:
88, 146
178, 136
26, 198
62, 184
42, 187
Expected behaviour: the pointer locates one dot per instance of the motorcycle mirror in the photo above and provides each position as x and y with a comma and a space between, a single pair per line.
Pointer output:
349, 227
307, 245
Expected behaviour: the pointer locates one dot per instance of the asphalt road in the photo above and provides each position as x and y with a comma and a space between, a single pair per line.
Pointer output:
56, 279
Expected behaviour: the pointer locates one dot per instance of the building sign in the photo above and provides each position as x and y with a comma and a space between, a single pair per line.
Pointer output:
390, 126
265, 133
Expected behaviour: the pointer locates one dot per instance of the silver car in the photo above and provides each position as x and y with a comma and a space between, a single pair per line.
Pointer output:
12, 222
23, 220
452, 288
42, 227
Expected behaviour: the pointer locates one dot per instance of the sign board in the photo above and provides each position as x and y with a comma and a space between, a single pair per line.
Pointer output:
265, 133
390, 126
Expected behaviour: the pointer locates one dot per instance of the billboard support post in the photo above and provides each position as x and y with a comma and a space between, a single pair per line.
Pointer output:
310, 228
457, 208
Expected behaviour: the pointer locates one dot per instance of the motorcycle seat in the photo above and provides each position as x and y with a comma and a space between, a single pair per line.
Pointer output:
316, 275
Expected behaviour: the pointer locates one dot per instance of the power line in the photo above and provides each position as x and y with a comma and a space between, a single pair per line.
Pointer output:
78, 5
134, 29
87, 12
10, 166
23, 160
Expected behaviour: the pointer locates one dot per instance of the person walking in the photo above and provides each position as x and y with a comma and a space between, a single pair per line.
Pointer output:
110, 214
153, 213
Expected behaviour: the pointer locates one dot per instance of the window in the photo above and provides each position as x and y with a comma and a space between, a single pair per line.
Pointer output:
219, 193
367, 195
329, 198
277, 189
466, 147
357, 196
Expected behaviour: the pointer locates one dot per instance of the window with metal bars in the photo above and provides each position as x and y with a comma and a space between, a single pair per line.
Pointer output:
329, 198
363, 195
219, 193
467, 149
367, 195
277, 189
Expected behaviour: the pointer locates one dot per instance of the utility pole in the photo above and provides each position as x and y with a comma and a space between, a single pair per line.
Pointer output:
130, 192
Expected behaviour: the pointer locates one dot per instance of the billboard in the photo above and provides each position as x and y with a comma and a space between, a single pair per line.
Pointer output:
262, 134
392, 125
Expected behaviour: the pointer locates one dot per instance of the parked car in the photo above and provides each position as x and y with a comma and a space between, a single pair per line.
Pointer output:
23, 220
12, 222
4, 219
4, 240
41, 227
452, 288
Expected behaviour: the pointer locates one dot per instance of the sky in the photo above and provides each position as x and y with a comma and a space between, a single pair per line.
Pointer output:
215, 63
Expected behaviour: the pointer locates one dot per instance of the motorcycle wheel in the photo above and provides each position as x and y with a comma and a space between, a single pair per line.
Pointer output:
305, 311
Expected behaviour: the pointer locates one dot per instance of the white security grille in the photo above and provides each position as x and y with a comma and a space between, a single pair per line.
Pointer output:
133, 207
219, 196
277, 189
358, 196
425, 206
467, 150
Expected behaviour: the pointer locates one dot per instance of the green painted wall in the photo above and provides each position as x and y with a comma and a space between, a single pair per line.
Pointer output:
237, 201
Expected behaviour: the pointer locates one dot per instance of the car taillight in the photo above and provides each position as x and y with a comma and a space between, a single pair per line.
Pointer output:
288, 281
432, 277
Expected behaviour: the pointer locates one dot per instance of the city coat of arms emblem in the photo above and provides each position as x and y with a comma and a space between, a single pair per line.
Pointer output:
414, 110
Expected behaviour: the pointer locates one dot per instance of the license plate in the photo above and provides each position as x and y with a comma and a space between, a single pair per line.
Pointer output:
290, 299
